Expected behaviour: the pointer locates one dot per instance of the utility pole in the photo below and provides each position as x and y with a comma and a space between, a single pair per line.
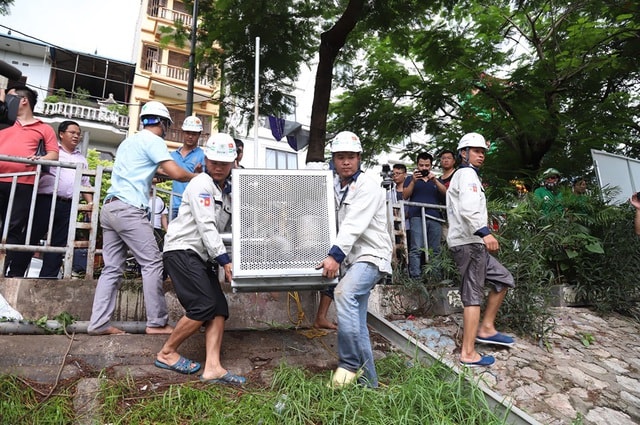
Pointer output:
192, 61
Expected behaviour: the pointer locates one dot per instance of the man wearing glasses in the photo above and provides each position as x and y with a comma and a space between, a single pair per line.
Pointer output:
70, 137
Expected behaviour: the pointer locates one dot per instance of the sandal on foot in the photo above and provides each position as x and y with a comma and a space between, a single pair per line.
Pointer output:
485, 361
226, 379
183, 365
497, 339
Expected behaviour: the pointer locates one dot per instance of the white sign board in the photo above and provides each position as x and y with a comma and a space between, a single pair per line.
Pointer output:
617, 171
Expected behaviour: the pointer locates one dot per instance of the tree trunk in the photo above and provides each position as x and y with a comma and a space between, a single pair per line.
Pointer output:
331, 42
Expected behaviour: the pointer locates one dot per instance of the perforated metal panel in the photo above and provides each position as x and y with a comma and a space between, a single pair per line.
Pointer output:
283, 226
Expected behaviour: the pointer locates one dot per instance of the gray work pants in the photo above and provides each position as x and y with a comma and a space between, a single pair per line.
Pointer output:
123, 226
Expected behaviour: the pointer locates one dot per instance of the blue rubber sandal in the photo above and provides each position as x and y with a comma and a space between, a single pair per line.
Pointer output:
183, 365
497, 339
485, 361
226, 379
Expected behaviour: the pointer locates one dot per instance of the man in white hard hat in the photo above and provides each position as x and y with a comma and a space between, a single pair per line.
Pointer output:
192, 243
125, 223
470, 242
189, 156
362, 250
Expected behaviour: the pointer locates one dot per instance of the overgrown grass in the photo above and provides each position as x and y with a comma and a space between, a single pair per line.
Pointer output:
21, 404
409, 394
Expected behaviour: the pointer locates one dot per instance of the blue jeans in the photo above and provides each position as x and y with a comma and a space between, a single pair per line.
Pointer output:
351, 296
434, 234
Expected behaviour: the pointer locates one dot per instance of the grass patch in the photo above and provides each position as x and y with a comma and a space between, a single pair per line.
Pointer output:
23, 404
409, 394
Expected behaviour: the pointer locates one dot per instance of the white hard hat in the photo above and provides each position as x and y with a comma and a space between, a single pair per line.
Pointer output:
220, 147
192, 124
155, 109
346, 141
472, 140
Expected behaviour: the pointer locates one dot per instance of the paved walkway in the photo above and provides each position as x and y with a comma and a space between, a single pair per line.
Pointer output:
589, 372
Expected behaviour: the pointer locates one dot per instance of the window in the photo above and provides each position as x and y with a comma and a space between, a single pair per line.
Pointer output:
150, 56
154, 6
281, 160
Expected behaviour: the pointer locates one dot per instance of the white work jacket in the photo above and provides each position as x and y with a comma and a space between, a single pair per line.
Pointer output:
466, 208
362, 224
204, 213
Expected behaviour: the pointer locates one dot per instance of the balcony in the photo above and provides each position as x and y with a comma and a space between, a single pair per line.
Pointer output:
177, 73
82, 112
173, 15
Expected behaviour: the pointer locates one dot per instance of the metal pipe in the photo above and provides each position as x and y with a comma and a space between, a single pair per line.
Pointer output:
192, 60
53, 326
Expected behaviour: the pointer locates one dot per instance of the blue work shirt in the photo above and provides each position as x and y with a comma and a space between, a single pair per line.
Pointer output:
189, 163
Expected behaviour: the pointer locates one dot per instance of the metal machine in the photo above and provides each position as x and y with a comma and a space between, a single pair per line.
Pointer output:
283, 226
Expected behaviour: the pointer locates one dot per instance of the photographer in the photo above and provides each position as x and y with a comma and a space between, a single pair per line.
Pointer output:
422, 187
22, 139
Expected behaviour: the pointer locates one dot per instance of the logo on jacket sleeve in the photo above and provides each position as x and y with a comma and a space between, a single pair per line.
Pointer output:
204, 199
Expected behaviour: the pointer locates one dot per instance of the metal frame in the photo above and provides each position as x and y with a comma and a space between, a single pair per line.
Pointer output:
283, 226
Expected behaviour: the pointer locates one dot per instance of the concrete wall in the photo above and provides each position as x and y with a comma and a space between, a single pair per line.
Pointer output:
35, 298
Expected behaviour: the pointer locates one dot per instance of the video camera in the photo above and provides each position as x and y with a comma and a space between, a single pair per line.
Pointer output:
9, 108
386, 174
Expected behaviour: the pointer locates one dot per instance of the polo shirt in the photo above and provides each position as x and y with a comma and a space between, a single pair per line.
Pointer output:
22, 141
67, 180
189, 163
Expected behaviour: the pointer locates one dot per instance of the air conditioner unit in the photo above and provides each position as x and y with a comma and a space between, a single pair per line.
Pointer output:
284, 223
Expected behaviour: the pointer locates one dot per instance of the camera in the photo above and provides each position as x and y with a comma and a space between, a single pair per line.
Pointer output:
386, 174
9, 108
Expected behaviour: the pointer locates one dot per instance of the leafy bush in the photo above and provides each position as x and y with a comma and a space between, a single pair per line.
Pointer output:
119, 109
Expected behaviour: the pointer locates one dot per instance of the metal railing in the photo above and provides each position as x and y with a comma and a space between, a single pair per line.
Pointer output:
72, 110
177, 73
90, 209
396, 212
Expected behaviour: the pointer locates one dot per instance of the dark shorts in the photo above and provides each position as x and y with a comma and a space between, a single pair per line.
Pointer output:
196, 284
477, 266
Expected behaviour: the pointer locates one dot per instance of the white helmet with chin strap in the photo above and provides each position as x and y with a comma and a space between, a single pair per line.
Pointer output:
192, 123
346, 141
472, 140
154, 112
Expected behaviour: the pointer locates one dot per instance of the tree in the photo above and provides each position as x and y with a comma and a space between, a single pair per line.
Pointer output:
290, 32
4, 7
543, 81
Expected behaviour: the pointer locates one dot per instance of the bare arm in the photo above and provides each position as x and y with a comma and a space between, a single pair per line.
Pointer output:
407, 191
176, 172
